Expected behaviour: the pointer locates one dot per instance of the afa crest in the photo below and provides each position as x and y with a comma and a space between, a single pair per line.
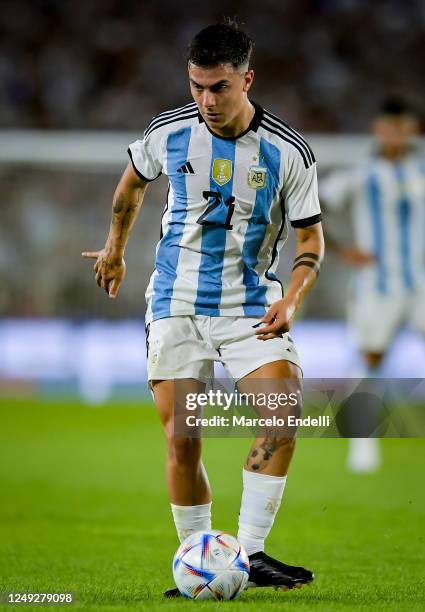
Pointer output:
257, 177
222, 171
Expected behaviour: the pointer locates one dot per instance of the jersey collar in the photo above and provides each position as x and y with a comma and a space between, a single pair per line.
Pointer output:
253, 126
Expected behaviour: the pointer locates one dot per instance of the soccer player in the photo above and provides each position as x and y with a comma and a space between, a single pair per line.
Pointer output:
238, 177
385, 194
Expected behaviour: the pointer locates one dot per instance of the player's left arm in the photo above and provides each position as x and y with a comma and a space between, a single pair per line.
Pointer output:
310, 248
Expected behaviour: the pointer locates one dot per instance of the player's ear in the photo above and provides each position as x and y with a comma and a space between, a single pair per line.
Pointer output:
248, 79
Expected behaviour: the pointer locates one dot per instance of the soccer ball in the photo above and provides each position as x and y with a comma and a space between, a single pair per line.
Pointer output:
210, 565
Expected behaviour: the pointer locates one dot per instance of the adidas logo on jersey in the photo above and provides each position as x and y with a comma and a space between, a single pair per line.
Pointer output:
186, 168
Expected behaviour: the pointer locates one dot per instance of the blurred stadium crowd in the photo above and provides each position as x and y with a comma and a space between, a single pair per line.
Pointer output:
48, 219
323, 65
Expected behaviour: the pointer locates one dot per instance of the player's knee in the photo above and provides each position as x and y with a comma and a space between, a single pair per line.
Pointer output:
291, 409
184, 450
296, 407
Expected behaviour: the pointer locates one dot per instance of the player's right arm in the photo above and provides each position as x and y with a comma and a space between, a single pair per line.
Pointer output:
336, 192
351, 255
110, 265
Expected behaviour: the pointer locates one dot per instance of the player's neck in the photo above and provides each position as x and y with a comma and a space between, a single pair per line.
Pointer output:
239, 124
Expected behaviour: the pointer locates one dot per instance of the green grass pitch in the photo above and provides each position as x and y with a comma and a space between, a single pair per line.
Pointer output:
84, 508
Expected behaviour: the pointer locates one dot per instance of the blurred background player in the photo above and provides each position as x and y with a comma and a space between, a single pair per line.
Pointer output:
385, 194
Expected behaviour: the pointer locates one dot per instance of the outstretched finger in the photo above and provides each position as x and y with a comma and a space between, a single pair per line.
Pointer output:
113, 288
90, 254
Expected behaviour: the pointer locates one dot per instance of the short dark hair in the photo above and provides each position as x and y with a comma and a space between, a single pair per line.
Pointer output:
221, 43
396, 106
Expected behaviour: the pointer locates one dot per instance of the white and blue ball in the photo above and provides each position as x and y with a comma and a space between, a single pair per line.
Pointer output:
210, 565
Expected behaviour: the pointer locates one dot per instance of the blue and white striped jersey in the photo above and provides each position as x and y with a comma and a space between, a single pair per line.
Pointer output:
387, 204
227, 208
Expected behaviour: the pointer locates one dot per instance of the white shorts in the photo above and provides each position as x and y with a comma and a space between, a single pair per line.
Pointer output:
187, 346
376, 318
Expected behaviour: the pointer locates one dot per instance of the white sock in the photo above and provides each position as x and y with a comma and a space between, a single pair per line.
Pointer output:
364, 453
261, 499
189, 519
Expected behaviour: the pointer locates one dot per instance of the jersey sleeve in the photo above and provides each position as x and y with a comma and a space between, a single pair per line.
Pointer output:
336, 189
301, 194
145, 155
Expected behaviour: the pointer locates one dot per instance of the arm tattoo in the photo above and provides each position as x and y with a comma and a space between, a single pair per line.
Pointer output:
119, 204
305, 260
310, 264
309, 255
123, 214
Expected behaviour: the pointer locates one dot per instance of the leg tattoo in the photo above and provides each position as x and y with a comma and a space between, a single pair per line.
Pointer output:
261, 454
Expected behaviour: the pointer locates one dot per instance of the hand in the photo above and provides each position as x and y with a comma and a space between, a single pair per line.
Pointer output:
109, 269
278, 319
356, 257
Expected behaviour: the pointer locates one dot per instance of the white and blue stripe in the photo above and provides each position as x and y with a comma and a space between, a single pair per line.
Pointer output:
378, 230
405, 214
168, 252
255, 295
213, 243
